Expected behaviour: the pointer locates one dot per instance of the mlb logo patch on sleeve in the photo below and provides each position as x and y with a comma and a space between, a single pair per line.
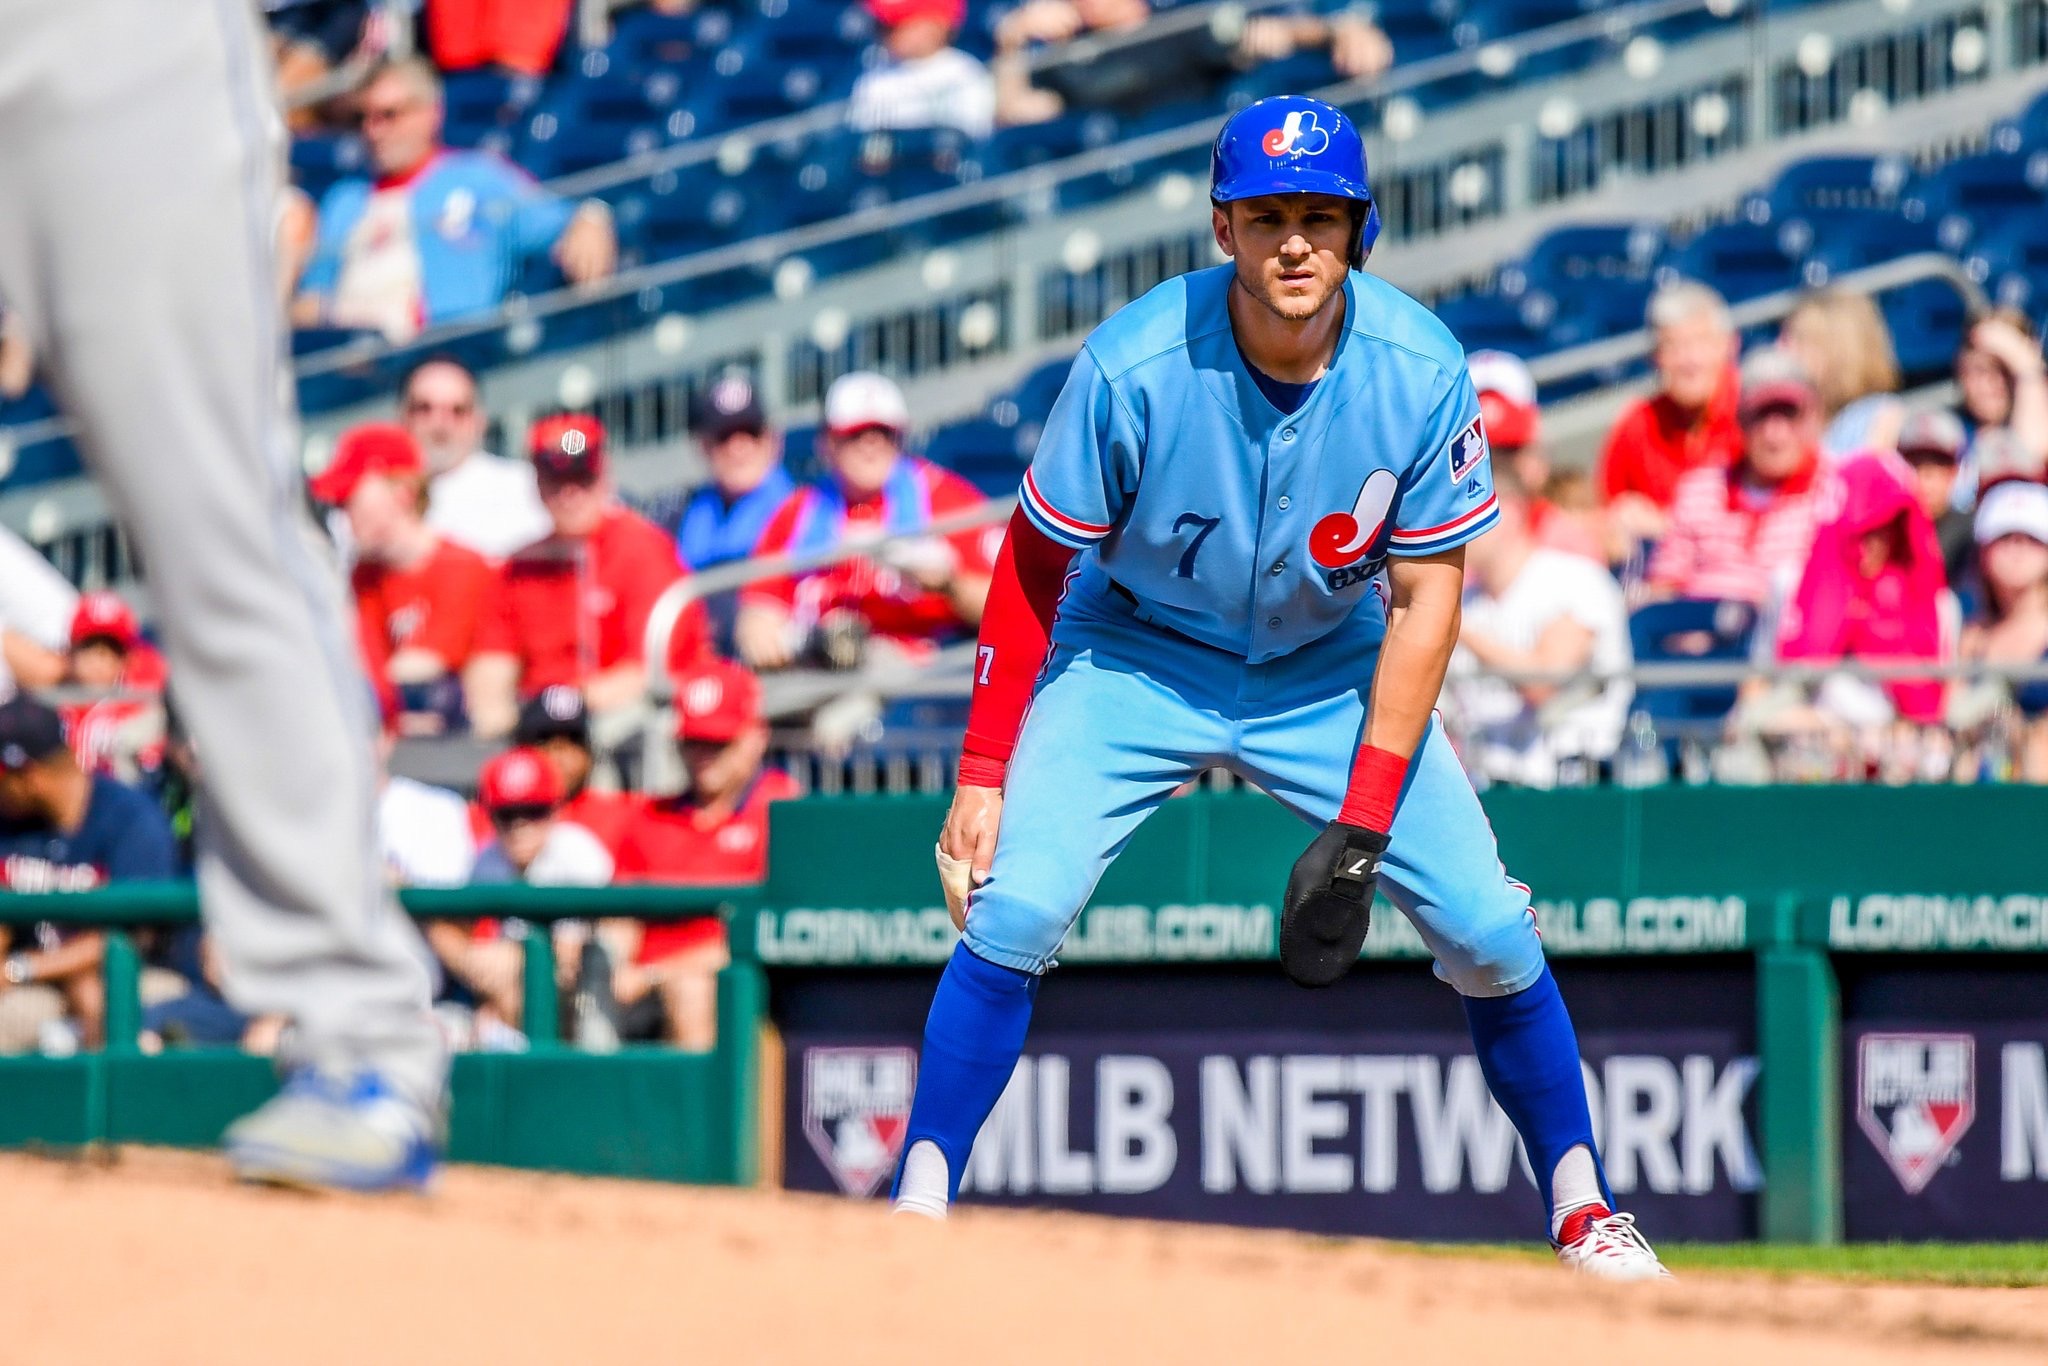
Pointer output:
1468, 449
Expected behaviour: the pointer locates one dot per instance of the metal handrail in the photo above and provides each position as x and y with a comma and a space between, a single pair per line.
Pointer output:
1729, 672
151, 903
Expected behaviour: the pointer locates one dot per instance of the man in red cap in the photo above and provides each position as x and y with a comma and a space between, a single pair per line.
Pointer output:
113, 735
1741, 534
715, 833
910, 594
571, 609
926, 81
417, 595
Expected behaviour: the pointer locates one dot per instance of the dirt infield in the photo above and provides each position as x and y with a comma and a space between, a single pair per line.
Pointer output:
157, 1258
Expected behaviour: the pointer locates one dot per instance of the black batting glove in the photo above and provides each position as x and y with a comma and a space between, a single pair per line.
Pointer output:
1329, 903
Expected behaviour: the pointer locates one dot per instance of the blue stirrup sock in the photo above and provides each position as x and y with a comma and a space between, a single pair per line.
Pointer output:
1529, 1055
972, 1040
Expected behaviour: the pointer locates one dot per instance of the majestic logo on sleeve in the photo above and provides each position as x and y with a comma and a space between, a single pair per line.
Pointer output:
1300, 135
1343, 541
1468, 451
1915, 1097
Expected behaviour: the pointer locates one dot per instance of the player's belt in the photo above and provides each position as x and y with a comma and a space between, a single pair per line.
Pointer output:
1144, 620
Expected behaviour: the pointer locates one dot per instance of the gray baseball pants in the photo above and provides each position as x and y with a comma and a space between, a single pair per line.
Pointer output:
140, 152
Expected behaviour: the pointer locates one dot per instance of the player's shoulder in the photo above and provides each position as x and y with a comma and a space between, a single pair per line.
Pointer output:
1402, 330
1161, 322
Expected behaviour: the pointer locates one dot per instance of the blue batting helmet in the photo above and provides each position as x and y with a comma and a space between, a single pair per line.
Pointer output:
1291, 144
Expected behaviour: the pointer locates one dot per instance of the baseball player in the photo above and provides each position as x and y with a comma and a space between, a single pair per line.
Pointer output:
139, 157
1240, 543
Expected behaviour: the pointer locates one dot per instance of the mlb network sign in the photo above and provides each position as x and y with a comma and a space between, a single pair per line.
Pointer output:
1402, 1140
1955, 1125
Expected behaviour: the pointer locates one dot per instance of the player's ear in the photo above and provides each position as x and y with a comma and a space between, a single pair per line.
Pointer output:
1219, 222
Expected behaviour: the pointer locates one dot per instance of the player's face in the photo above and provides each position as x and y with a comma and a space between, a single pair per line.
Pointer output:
442, 412
863, 461
1291, 249
400, 124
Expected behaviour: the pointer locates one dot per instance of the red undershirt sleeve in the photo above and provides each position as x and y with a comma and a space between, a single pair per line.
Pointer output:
1016, 633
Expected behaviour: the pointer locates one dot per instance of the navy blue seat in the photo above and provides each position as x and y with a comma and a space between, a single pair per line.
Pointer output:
1742, 260
1488, 21
1926, 321
988, 454
318, 162
1690, 630
1819, 189
1971, 194
1488, 322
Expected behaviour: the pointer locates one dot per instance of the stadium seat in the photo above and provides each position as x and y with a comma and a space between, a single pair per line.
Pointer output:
1489, 322
1742, 260
1690, 631
1926, 322
1817, 190
318, 162
1970, 195
991, 455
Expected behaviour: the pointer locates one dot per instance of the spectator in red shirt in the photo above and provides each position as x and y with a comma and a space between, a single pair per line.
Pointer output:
1687, 423
1514, 434
908, 595
113, 735
716, 833
417, 595
1742, 533
571, 609
555, 722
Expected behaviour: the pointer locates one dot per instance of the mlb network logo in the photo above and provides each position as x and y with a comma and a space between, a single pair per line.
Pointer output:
1298, 135
1915, 1097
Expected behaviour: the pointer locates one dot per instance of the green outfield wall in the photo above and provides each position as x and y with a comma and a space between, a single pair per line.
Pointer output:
1858, 927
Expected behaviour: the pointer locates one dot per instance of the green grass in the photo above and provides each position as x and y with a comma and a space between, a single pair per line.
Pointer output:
1989, 1264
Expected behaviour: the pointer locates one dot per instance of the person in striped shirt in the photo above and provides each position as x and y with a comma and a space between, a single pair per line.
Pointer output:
1741, 534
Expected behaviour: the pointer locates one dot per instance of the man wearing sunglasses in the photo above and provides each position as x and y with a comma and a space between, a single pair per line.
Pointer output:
439, 233
480, 500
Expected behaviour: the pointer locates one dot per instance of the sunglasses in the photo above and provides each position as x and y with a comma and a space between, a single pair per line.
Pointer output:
505, 817
385, 113
419, 407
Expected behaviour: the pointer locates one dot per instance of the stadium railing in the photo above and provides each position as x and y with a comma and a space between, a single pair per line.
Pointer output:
697, 1110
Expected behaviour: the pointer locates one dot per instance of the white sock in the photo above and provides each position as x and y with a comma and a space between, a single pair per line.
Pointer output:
925, 1180
1574, 1185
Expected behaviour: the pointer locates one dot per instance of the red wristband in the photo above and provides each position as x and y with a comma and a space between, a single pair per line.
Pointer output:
978, 770
1375, 789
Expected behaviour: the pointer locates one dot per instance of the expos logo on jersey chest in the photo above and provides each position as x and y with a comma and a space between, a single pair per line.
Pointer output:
1350, 546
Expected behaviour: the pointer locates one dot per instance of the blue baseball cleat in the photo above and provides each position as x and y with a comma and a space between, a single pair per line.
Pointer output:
328, 1132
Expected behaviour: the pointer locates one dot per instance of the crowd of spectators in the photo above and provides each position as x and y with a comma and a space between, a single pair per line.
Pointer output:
1792, 502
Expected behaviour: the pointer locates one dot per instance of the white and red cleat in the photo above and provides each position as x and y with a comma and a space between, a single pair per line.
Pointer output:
1595, 1241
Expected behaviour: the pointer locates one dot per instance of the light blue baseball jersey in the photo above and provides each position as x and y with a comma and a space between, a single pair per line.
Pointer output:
1240, 526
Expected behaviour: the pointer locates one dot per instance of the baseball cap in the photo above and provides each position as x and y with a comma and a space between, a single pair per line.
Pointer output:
375, 448
729, 405
104, 614
519, 778
1933, 431
893, 12
29, 733
568, 448
554, 713
864, 399
2014, 508
716, 701
1507, 398
1772, 376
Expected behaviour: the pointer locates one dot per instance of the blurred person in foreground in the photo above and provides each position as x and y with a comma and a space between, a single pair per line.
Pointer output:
1741, 532
490, 504
1688, 424
923, 81
118, 735
1872, 590
715, 833
417, 595
1137, 71
571, 609
64, 829
910, 595
2010, 624
440, 233
555, 722
138, 216
1931, 443
1841, 339
2004, 385
1535, 609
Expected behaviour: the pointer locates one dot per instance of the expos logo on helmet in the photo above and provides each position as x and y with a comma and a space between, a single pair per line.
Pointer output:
1342, 540
1298, 135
